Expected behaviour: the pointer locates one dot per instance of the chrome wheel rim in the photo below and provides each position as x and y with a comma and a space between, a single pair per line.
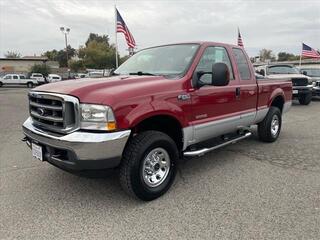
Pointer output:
275, 125
156, 167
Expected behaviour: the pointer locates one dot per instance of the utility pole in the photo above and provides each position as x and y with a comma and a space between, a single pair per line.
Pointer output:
65, 31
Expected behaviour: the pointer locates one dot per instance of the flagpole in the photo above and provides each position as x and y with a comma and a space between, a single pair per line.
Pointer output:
300, 57
116, 38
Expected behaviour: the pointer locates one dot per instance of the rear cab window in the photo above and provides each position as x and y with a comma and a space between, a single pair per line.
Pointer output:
242, 63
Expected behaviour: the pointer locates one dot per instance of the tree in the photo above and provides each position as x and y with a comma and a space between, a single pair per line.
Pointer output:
12, 54
98, 53
76, 65
60, 56
266, 54
123, 59
97, 38
44, 69
284, 56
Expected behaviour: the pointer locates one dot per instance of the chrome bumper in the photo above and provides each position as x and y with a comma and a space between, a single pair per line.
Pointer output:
84, 150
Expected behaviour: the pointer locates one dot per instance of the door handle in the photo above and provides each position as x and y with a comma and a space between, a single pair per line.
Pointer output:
238, 92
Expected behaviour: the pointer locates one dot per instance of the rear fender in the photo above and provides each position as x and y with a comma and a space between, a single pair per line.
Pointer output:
277, 92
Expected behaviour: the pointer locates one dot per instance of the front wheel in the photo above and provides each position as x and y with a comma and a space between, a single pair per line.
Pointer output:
148, 167
269, 128
305, 99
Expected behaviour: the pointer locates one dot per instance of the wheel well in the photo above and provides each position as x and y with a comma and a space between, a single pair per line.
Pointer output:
278, 102
162, 123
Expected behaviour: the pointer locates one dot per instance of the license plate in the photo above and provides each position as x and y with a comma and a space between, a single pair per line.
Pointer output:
37, 151
295, 91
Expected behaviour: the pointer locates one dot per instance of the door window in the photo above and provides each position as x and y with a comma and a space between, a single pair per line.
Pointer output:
211, 56
15, 77
242, 63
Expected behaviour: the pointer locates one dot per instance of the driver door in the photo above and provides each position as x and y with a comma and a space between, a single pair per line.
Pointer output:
215, 108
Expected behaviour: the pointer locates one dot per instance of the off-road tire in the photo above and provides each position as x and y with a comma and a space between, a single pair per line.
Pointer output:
305, 99
265, 127
138, 147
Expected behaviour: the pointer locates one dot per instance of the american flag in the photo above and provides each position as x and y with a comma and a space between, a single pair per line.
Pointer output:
240, 43
309, 52
122, 27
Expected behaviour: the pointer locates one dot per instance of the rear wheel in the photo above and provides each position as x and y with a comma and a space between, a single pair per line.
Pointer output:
269, 129
148, 166
305, 99
1, 84
30, 85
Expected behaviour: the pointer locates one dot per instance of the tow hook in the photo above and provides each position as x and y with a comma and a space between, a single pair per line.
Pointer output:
25, 139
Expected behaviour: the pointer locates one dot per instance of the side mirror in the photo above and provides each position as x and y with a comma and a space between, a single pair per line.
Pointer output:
262, 72
304, 73
220, 76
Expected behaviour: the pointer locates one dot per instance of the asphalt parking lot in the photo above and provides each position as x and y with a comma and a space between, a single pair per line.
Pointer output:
250, 190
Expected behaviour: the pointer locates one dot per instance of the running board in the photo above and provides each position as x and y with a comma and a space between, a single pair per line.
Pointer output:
203, 151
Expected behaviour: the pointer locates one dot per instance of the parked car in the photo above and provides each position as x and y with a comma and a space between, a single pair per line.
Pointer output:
302, 85
39, 77
316, 88
163, 103
53, 78
17, 79
313, 73
95, 74
80, 75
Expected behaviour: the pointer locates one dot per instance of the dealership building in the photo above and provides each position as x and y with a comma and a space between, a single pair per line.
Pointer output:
24, 64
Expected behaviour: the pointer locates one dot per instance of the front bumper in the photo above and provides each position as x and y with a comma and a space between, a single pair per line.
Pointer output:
301, 90
316, 91
78, 150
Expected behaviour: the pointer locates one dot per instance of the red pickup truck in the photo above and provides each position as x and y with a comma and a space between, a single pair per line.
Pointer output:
163, 103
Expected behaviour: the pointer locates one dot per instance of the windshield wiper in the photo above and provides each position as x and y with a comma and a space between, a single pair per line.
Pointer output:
142, 73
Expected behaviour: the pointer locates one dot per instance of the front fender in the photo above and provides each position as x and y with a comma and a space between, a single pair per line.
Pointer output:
155, 108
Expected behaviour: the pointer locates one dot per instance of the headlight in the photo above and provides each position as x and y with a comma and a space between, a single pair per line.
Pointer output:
97, 117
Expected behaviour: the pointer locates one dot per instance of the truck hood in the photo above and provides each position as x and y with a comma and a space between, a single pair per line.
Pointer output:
108, 90
288, 76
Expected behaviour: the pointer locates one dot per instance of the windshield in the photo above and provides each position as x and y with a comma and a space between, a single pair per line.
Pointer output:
311, 72
171, 60
282, 70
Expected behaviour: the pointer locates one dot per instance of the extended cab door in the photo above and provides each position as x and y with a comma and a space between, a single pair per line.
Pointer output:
15, 79
215, 109
22, 79
247, 92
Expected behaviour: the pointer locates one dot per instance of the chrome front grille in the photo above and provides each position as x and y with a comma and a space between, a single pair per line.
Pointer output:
299, 81
54, 112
